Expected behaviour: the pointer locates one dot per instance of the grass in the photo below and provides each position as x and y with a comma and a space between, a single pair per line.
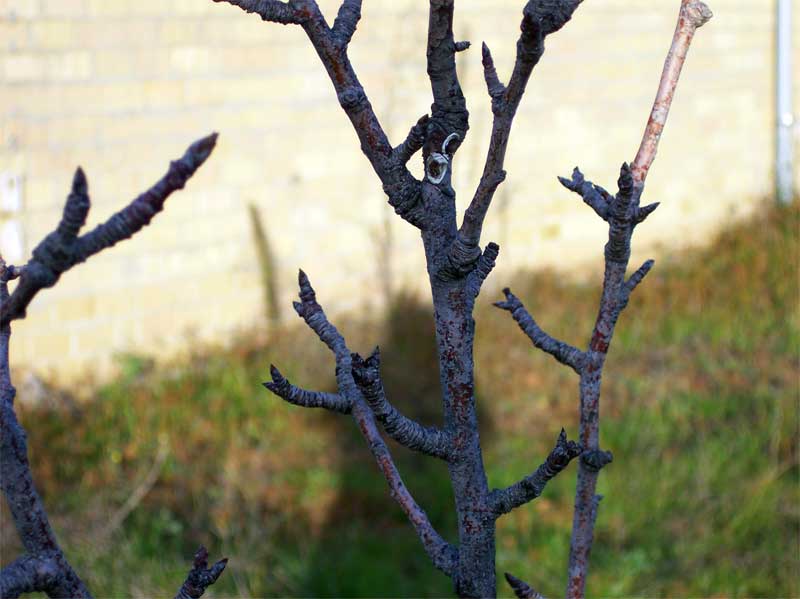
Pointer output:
700, 407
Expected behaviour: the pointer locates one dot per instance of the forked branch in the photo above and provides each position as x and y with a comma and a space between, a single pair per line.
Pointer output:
443, 555
539, 19
44, 567
532, 486
563, 352
331, 44
409, 433
63, 248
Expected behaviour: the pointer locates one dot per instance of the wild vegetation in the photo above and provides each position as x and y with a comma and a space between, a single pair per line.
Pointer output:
701, 399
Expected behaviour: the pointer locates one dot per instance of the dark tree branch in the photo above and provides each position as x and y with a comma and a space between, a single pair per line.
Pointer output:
522, 590
532, 486
449, 111
45, 567
62, 249
409, 433
634, 280
200, 576
623, 214
269, 10
539, 19
484, 266
413, 141
593, 195
443, 555
16, 482
563, 352
346, 22
494, 86
302, 397
402, 189
29, 574
645, 211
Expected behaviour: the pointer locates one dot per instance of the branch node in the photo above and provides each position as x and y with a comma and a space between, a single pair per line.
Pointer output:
596, 459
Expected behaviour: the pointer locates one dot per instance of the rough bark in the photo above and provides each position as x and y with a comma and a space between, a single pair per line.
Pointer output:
44, 567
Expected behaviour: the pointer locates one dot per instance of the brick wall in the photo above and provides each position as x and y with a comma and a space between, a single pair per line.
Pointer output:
123, 86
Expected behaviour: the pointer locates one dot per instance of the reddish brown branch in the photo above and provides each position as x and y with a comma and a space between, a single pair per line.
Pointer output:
693, 15
623, 213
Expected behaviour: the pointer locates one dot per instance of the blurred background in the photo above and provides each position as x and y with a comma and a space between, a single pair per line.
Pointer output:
139, 374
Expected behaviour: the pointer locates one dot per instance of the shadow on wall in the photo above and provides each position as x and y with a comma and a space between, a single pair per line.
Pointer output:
266, 265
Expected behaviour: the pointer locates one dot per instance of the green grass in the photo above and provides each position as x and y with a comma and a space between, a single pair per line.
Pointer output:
700, 407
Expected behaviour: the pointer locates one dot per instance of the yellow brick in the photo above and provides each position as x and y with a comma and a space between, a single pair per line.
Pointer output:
69, 66
19, 9
57, 34
14, 34
63, 8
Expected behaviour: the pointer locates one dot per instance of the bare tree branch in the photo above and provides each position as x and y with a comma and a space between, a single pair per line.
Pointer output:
29, 574
413, 142
346, 22
45, 567
532, 486
62, 249
593, 195
636, 278
269, 10
693, 15
302, 397
402, 189
522, 590
494, 86
409, 433
449, 111
483, 267
200, 576
563, 352
624, 214
539, 19
443, 555
16, 483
